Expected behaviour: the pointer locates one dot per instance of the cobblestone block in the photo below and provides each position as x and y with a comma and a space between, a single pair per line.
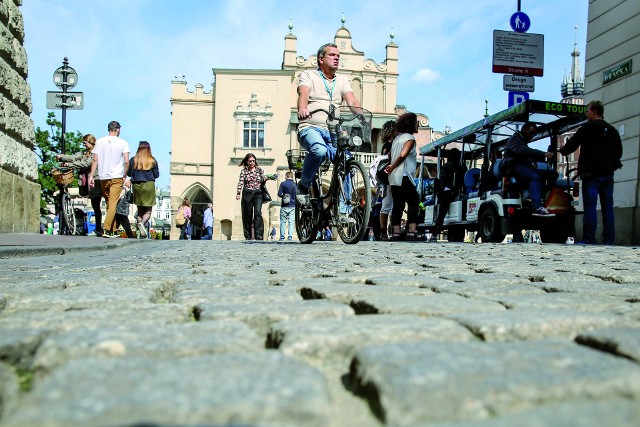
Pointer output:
17, 346
336, 341
345, 293
561, 301
9, 389
170, 341
623, 342
583, 413
218, 294
261, 316
419, 383
265, 389
535, 324
422, 305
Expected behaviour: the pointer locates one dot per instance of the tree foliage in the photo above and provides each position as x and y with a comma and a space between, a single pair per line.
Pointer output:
46, 148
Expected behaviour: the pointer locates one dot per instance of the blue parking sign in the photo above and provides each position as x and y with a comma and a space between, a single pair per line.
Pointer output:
517, 98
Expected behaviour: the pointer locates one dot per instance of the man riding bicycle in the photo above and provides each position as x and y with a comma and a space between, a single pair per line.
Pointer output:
319, 89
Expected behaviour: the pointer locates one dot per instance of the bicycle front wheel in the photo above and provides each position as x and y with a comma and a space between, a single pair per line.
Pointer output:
354, 203
307, 217
69, 215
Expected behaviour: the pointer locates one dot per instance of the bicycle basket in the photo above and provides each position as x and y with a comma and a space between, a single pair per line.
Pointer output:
295, 158
62, 177
357, 123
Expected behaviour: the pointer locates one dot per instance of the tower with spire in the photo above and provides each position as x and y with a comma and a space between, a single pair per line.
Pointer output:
572, 87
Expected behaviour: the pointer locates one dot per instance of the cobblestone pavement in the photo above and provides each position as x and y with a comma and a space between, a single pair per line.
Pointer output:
181, 333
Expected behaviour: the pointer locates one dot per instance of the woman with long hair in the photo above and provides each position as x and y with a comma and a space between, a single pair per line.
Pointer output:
144, 172
185, 208
251, 178
401, 172
82, 161
387, 135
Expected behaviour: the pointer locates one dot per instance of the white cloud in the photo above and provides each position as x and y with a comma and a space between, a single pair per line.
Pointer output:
425, 75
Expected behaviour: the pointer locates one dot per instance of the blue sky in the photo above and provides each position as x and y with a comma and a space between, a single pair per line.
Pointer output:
126, 52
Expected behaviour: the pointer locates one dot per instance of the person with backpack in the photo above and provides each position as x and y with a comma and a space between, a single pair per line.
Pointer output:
387, 135
122, 208
287, 192
600, 154
184, 217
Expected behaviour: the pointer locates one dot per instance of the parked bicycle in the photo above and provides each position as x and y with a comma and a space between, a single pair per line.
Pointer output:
345, 204
66, 210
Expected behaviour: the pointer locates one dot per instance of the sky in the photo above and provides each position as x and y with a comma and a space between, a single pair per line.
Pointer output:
126, 52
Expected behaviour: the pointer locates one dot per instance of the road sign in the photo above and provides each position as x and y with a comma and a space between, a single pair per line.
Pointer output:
517, 97
518, 83
72, 77
70, 100
518, 53
520, 22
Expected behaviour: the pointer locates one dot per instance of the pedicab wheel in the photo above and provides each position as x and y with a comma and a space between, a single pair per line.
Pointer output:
489, 226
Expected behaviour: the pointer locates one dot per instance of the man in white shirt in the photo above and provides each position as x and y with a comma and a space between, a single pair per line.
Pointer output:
111, 158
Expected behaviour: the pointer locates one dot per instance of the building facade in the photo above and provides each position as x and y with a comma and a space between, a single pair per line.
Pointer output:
20, 195
612, 76
255, 111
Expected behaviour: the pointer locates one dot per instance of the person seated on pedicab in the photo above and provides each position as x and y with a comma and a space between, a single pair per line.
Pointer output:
518, 162
451, 180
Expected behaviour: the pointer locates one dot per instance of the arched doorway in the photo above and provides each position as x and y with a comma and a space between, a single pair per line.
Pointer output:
199, 198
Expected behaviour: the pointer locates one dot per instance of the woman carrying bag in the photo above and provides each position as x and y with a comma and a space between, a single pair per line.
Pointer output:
249, 189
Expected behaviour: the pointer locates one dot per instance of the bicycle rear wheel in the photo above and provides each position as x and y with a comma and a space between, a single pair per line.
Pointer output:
69, 215
353, 203
307, 218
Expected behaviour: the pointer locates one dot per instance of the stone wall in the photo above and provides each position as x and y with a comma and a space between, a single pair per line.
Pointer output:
19, 189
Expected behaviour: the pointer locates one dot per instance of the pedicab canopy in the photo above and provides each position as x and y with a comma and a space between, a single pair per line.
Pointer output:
552, 118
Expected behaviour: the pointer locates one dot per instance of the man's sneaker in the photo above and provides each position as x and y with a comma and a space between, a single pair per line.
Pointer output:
142, 230
110, 235
542, 212
346, 219
302, 195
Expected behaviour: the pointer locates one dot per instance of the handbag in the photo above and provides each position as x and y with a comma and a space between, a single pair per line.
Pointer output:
286, 199
266, 197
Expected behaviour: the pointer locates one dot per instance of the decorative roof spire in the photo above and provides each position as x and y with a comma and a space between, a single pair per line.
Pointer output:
392, 34
573, 84
290, 25
343, 19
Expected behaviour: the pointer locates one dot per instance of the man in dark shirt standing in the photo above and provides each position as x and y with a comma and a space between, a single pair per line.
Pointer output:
518, 162
287, 192
600, 154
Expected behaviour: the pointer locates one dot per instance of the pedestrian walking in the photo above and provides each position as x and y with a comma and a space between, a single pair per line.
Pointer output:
287, 192
82, 162
185, 209
111, 164
207, 223
144, 172
600, 154
122, 209
251, 178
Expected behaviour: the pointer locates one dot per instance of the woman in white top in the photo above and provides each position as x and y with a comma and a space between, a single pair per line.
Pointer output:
401, 172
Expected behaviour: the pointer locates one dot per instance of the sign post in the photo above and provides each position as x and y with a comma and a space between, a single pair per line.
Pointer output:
65, 78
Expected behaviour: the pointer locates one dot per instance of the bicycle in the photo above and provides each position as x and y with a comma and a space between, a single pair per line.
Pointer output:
66, 210
346, 203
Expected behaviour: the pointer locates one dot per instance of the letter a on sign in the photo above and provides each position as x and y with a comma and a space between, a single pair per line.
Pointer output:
517, 97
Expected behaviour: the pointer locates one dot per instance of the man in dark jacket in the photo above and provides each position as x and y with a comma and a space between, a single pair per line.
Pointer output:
287, 192
518, 162
600, 154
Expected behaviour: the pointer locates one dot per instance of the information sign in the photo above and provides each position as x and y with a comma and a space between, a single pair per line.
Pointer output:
520, 22
521, 54
518, 83
70, 100
516, 98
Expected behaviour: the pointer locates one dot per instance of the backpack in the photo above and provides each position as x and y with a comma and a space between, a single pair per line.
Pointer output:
377, 175
286, 199
180, 220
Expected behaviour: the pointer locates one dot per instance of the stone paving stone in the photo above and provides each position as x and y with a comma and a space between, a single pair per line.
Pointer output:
265, 388
17, 346
413, 384
261, 316
147, 314
480, 289
345, 293
593, 288
619, 341
323, 341
422, 305
561, 301
170, 341
9, 389
484, 276
218, 294
512, 325
583, 413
